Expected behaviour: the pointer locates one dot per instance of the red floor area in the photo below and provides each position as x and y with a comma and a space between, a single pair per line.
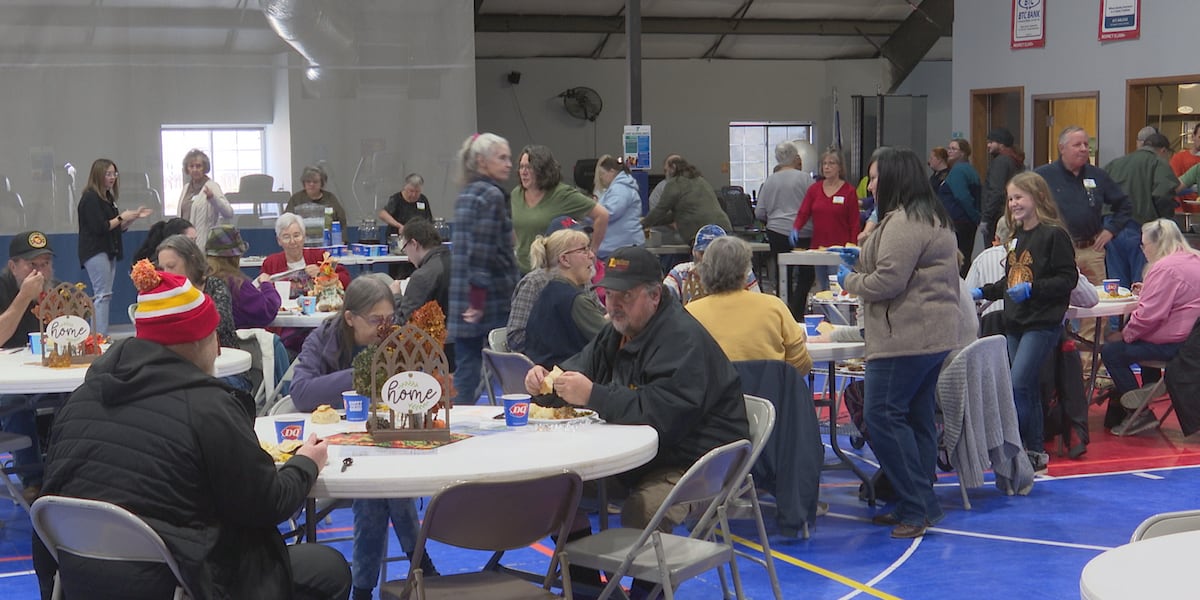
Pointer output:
1107, 453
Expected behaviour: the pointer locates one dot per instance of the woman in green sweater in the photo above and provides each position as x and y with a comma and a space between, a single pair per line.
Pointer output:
541, 196
688, 202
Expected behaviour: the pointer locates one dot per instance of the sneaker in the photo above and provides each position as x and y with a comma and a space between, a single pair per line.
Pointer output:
1137, 424
822, 508
1039, 460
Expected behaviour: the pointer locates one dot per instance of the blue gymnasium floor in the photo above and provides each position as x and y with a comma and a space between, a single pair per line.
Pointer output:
1005, 547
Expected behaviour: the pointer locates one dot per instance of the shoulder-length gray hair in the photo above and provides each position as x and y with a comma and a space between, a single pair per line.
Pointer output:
725, 264
194, 261
363, 293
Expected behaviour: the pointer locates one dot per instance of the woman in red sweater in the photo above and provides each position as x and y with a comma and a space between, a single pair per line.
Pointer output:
833, 208
289, 232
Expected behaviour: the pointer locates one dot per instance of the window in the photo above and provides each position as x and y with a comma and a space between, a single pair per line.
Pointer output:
232, 152
752, 150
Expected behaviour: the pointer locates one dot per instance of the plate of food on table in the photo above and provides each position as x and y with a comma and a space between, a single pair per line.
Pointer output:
1123, 294
548, 408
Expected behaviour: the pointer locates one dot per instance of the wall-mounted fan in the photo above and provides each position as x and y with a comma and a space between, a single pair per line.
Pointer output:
582, 103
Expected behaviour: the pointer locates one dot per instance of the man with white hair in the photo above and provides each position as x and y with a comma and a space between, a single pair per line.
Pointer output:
779, 200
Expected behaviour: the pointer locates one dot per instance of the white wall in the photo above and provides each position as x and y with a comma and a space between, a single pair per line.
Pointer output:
1073, 60
689, 103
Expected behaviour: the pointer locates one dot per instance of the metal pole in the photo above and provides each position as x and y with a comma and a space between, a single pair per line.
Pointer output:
633, 62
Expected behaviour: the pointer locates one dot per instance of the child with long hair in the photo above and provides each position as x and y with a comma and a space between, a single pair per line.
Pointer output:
1040, 273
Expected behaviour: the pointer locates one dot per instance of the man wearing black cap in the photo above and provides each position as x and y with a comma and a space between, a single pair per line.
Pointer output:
653, 364
30, 271
1005, 163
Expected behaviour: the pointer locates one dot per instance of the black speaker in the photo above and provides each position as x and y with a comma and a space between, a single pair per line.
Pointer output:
514, 77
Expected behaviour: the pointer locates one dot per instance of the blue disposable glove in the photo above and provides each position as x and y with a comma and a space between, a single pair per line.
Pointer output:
1187, 191
849, 255
977, 294
1020, 292
794, 237
843, 271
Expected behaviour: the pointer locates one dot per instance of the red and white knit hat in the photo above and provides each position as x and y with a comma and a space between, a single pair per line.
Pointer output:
169, 310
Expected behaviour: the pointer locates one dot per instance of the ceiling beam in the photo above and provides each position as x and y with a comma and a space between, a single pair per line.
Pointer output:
925, 25
140, 17
502, 23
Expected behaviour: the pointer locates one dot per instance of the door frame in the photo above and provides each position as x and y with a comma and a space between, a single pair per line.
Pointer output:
1041, 113
1135, 96
980, 123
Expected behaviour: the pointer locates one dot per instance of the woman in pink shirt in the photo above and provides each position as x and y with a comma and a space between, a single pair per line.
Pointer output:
1167, 309
832, 205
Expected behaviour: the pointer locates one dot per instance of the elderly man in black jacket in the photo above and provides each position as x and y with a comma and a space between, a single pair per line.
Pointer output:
653, 364
153, 431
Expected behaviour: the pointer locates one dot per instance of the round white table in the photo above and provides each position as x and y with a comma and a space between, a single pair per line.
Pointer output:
24, 373
594, 450
292, 317
1158, 567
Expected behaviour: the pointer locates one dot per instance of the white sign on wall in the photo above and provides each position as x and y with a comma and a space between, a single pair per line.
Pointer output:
1028, 24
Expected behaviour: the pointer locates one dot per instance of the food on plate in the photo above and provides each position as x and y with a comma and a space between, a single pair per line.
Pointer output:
548, 382
1120, 294
853, 365
325, 415
829, 296
283, 451
554, 414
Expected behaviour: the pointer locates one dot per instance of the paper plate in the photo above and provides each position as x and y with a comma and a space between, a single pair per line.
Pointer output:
589, 417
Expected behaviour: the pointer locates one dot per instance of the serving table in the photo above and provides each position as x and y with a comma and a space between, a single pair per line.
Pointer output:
494, 452
811, 258
247, 262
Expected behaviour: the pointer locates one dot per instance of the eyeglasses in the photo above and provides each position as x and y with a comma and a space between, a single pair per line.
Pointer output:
585, 249
525, 168
292, 237
113, 174
378, 320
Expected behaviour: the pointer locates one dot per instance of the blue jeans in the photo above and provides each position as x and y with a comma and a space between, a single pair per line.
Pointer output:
370, 531
1119, 355
468, 354
899, 406
101, 269
1124, 258
20, 417
1027, 351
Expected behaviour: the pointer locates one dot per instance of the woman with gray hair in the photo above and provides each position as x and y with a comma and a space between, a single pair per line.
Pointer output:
779, 200
314, 179
408, 203
323, 372
747, 325
1168, 306
302, 263
202, 202
483, 263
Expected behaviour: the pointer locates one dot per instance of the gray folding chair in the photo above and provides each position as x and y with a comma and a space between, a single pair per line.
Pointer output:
497, 339
761, 415
9, 443
102, 531
466, 515
663, 558
1139, 400
1166, 524
506, 368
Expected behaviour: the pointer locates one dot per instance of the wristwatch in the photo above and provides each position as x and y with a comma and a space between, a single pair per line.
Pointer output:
120, 219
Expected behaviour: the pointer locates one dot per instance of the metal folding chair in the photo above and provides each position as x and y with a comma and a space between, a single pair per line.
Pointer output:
466, 515
663, 558
102, 531
506, 368
1166, 524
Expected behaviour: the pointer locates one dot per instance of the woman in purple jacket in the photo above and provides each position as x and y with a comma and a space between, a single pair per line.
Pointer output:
254, 304
322, 373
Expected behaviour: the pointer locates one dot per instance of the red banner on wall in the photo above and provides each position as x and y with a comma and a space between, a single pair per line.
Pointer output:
1120, 20
1028, 24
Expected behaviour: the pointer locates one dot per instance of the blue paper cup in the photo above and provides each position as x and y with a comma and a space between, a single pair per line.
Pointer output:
35, 343
516, 409
811, 322
357, 406
289, 429
308, 304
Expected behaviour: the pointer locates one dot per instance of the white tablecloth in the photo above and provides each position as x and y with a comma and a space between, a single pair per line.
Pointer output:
247, 262
23, 372
593, 450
